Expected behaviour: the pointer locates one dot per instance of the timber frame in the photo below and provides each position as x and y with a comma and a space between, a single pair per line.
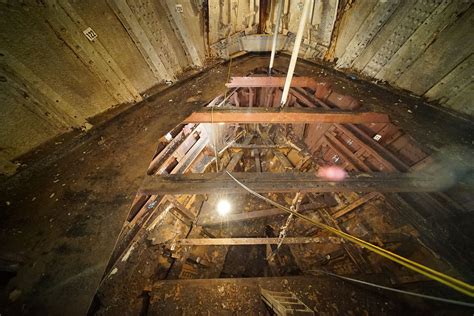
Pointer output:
277, 152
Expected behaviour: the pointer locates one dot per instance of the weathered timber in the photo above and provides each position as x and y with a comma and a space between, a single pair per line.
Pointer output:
364, 199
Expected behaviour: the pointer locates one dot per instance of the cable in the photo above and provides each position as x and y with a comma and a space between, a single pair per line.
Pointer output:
215, 130
454, 283
214, 139
429, 297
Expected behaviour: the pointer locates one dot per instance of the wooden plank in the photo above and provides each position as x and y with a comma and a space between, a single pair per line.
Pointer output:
61, 113
445, 14
376, 19
68, 26
454, 82
283, 116
141, 35
364, 199
254, 241
409, 16
442, 56
204, 183
348, 22
236, 157
458, 102
188, 214
185, 163
191, 48
240, 217
354, 252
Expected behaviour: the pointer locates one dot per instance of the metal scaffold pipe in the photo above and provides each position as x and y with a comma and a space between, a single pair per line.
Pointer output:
275, 34
294, 54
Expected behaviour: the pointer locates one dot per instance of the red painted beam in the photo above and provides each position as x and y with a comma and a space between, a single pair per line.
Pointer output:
283, 116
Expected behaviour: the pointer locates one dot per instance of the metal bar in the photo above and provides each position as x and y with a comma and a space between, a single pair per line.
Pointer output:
294, 54
254, 241
275, 34
203, 183
258, 146
283, 116
271, 82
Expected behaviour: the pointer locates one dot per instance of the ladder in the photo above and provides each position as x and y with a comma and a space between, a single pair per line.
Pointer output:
284, 303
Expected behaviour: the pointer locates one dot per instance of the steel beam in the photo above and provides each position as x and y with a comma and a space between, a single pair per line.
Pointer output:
268, 82
283, 116
255, 241
304, 182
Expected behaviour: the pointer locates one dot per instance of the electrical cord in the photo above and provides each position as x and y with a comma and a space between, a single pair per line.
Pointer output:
429, 297
447, 280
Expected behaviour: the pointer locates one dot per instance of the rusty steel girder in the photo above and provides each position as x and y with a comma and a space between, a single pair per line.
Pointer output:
323, 90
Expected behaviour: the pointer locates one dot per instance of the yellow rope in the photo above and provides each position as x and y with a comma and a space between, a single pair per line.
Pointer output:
447, 280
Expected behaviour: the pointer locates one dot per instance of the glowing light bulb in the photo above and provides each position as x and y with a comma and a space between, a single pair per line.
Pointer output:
223, 207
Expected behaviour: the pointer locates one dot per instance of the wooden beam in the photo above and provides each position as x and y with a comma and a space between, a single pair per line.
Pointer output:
254, 241
364, 199
283, 116
240, 217
204, 183
236, 157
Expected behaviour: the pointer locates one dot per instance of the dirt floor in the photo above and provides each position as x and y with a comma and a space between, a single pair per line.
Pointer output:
62, 213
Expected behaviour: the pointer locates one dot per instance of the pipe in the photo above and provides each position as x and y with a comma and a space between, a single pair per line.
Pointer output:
294, 54
275, 35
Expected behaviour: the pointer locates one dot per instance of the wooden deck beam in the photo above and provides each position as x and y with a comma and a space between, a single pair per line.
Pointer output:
283, 116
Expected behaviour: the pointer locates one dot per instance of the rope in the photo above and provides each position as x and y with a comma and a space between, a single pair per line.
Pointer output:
456, 284
429, 297
294, 207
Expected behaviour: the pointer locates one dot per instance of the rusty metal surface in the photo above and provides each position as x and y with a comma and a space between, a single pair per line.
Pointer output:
285, 115
323, 90
285, 182
267, 82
